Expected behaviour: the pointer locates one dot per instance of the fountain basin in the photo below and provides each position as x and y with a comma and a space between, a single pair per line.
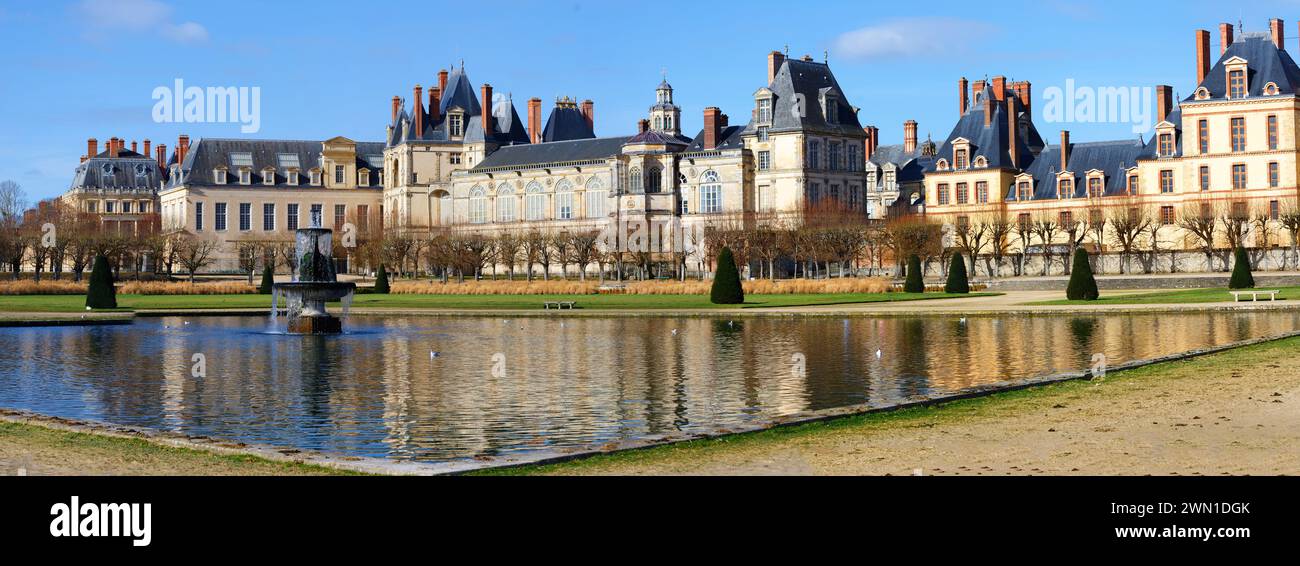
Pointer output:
306, 300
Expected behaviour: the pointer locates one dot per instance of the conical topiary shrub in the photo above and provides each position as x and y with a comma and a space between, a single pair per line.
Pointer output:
915, 282
381, 281
1241, 275
268, 281
1083, 286
726, 282
957, 282
100, 294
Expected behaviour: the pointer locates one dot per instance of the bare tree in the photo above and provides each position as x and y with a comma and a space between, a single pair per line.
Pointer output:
1128, 224
1199, 220
1290, 220
195, 254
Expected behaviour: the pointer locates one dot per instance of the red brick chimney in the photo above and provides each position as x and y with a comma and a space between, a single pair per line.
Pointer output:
774, 61
112, 147
162, 155
417, 110
963, 96
535, 120
1164, 102
1225, 38
182, 148
711, 127
92, 148
1065, 150
487, 110
875, 139
147, 145
909, 136
1279, 36
1024, 91
397, 106
435, 105
988, 111
442, 80
1202, 55
134, 147
869, 148
1013, 128
589, 112
642, 126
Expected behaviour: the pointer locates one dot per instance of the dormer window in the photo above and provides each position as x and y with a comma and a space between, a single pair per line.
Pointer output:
315, 177
764, 110
1065, 188
363, 177
268, 176
961, 159
456, 124
830, 108
1096, 185
941, 165
292, 177
981, 162
1166, 145
219, 176
1202, 93
1270, 89
1237, 83
245, 176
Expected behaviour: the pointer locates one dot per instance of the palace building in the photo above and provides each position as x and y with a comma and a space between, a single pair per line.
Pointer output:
118, 184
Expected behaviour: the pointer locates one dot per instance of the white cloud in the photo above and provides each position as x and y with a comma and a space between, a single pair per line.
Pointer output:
911, 37
107, 20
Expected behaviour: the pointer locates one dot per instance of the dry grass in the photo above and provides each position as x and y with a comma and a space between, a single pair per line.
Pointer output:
760, 287
494, 288
185, 288
47, 287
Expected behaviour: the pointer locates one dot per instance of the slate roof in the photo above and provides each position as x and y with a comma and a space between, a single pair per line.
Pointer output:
130, 170
990, 141
1151, 151
1113, 158
566, 123
1266, 63
508, 128
808, 79
553, 153
655, 137
207, 154
730, 138
910, 167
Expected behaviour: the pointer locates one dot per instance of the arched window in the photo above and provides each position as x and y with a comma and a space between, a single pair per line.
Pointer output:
564, 200
654, 180
634, 181
477, 205
505, 203
442, 200
534, 202
595, 198
710, 193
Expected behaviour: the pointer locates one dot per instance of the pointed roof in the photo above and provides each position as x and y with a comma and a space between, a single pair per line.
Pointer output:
990, 142
566, 122
1266, 62
808, 80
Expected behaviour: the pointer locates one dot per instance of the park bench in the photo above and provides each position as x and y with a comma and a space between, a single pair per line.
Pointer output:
1254, 295
558, 304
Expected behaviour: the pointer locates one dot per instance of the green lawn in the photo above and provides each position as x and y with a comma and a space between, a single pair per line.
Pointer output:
1212, 295
74, 303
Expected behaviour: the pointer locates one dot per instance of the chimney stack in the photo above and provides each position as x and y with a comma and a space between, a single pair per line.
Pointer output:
988, 111
909, 136
869, 148
161, 151
589, 112
1225, 38
92, 148
112, 147
147, 145
417, 109
774, 61
134, 147
999, 88
488, 127
963, 96
711, 127
442, 80
642, 126
1279, 36
875, 139
397, 106
1065, 150
435, 105
1013, 128
1024, 92
535, 120
1202, 55
182, 148
1164, 102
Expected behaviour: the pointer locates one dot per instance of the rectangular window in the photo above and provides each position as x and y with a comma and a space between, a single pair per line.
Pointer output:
340, 215
981, 192
814, 192
1239, 176
1205, 178
317, 215
268, 217
1065, 219
292, 216
363, 216
1166, 181
564, 205
1273, 174
338, 174
833, 157
1237, 84
943, 193
1023, 192
1132, 184
762, 133
1022, 220
1167, 215
963, 193
1238, 134
1095, 189
765, 111
1166, 145
1203, 136
854, 162
198, 217
1274, 210
126, 207
961, 159
454, 125
245, 177
764, 160
1065, 188
1272, 132
765, 197
814, 154
1239, 210
245, 216
220, 222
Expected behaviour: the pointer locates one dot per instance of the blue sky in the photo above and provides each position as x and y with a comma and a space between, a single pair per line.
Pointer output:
80, 69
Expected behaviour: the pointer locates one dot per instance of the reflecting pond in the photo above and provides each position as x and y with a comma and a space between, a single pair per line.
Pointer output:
498, 385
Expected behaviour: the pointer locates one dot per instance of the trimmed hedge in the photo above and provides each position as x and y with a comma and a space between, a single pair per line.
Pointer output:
100, 294
726, 288
268, 281
1083, 286
1241, 275
915, 283
381, 281
957, 280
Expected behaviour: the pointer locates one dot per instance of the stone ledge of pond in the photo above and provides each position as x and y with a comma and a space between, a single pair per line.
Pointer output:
279, 454
101, 320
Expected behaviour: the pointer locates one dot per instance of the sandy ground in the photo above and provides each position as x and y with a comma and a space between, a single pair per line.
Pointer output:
1234, 413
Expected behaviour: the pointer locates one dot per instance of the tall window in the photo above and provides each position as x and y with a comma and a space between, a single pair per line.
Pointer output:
505, 204
1065, 188
1094, 188
220, 222
962, 159
1274, 210
854, 162
1203, 136
1273, 174
1166, 145
981, 191
1238, 134
1237, 84
1065, 219
765, 111
963, 193
764, 160
291, 210
814, 154
1272, 132
564, 200
1239, 176
455, 125
594, 200
1166, 181
833, 156
317, 215
1022, 191
363, 216
477, 206
654, 180
198, 216
710, 193
943, 193
534, 202
765, 197
268, 217
1205, 178
245, 216
634, 181
1167, 215
1132, 184
340, 215
338, 174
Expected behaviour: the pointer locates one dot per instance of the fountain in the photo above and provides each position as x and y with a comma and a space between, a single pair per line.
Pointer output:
314, 283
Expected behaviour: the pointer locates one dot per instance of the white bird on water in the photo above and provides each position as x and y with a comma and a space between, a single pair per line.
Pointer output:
963, 320
878, 353
674, 332
432, 354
